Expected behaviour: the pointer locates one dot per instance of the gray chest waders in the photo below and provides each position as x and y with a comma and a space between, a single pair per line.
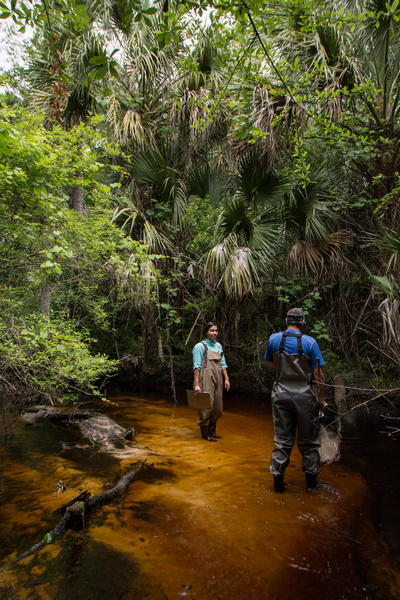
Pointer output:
294, 406
211, 382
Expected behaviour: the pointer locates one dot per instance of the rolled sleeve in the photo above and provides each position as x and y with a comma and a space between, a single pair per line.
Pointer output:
198, 352
316, 353
223, 362
268, 353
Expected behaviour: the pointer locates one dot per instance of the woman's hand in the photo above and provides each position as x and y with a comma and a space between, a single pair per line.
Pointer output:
227, 384
196, 389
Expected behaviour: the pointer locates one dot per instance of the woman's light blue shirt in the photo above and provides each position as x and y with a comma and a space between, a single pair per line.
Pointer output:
198, 351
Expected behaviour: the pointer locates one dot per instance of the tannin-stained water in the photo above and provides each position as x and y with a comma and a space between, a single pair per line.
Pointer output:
201, 521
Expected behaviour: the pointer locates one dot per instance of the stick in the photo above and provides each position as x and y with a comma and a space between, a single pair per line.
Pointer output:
193, 326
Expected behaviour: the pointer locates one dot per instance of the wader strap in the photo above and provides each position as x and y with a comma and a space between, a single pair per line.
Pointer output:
205, 356
283, 340
299, 344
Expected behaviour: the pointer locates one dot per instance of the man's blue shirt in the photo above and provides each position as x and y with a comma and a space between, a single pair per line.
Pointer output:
310, 347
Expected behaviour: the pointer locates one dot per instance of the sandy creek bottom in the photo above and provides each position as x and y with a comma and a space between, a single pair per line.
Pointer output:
200, 522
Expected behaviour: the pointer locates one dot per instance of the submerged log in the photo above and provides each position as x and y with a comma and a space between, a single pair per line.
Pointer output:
78, 508
98, 429
82, 497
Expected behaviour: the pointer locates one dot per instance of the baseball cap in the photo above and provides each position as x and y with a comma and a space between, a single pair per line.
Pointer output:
295, 314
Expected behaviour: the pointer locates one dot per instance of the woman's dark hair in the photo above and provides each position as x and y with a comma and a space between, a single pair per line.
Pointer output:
207, 326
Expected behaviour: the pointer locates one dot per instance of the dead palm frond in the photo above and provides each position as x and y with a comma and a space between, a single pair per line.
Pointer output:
319, 257
127, 124
390, 311
59, 74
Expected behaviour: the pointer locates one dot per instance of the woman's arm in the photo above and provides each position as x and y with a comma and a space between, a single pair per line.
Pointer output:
227, 383
196, 381
198, 352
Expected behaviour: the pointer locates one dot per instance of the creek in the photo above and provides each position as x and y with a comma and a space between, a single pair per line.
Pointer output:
201, 520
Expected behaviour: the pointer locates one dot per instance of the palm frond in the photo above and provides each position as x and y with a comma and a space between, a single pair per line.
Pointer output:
127, 124
235, 217
258, 182
390, 311
233, 267
136, 225
388, 242
319, 257
204, 181
241, 277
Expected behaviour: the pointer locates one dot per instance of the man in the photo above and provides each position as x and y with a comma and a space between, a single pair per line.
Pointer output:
296, 359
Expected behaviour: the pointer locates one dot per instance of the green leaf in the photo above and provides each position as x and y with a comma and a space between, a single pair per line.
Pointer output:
99, 73
48, 264
113, 71
48, 538
98, 60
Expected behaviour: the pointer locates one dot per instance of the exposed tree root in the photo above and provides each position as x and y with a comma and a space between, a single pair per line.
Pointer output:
77, 509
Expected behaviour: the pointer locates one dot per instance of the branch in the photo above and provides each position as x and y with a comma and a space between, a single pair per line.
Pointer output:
79, 508
271, 62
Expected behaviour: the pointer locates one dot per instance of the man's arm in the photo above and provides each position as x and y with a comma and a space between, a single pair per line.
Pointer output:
319, 378
268, 355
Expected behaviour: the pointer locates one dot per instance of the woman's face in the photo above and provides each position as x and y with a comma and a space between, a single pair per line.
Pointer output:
212, 333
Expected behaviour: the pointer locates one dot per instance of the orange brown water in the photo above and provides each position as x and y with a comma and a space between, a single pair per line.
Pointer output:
200, 522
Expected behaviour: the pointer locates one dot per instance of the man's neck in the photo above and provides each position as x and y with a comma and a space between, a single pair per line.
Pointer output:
293, 327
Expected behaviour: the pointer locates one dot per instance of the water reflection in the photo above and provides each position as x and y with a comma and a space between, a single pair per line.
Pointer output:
200, 522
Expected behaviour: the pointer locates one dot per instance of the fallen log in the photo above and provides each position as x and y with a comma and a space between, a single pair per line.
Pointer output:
82, 497
114, 492
79, 507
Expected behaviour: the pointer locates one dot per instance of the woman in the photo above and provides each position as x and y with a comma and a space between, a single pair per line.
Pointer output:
208, 367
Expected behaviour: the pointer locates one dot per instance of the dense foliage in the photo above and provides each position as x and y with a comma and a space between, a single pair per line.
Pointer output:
165, 163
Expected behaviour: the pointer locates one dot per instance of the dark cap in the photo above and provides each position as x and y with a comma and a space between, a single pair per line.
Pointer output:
295, 315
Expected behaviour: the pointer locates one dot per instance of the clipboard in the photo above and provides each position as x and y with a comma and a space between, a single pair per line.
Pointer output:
200, 400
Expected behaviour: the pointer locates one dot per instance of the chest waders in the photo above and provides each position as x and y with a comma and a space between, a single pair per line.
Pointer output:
211, 382
294, 405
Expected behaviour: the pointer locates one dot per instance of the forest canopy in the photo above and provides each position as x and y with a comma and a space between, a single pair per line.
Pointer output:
166, 163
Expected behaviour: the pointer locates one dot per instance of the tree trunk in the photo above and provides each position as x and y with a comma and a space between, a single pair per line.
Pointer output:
45, 299
77, 198
150, 339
